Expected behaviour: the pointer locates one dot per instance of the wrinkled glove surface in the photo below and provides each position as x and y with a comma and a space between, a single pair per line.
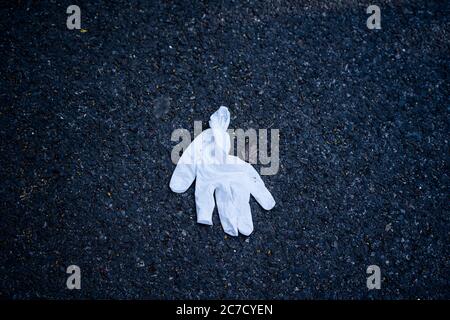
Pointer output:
229, 178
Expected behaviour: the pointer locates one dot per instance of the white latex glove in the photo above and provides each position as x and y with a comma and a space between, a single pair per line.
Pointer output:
231, 179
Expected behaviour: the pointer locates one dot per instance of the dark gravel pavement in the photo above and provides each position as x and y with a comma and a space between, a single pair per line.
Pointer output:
86, 119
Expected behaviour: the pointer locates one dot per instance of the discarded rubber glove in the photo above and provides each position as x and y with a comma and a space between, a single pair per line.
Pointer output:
231, 179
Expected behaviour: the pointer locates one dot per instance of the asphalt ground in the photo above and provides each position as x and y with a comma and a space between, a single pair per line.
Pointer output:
86, 121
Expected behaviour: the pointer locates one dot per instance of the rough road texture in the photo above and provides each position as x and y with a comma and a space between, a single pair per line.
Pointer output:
86, 120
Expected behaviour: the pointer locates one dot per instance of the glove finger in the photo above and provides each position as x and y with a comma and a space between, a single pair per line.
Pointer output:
182, 177
245, 221
258, 189
185, 171
240, 200
227, 211
262, 195
204, 201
